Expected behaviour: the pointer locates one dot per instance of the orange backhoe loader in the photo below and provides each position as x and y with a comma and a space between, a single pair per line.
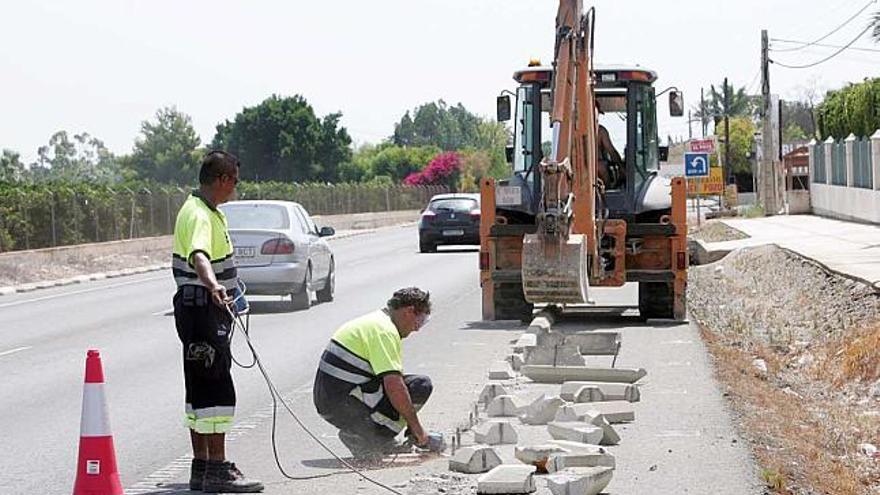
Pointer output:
577, 212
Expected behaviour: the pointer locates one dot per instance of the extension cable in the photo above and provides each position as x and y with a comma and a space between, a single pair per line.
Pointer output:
277, 397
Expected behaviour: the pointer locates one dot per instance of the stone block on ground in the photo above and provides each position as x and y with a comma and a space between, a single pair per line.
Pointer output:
524, 341
503, 406
588, 393
507, 479
616, 411
595, 343
495, 433
500, 370
541, 411
609, 434
560, 374
490, 391
575, 431
611, 391
538, 455
580, 481
474, 459
553, 355
579, 455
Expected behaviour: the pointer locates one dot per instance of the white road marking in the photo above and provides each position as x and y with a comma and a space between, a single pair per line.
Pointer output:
13, 351
73, 293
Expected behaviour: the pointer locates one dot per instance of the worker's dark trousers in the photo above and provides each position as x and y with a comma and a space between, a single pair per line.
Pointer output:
359, 431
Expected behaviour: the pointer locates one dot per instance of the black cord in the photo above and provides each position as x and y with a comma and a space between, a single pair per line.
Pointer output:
276, 398
838, 28
829, 57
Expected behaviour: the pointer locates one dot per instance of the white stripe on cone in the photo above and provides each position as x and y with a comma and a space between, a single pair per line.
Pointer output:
95, 416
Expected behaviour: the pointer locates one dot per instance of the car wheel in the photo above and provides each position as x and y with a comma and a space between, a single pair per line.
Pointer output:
303, 299
427, 247
325, 295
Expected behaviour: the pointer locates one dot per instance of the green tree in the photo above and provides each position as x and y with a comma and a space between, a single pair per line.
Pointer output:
742, 142
854, 109
793, 132
167, 150
11, 167
282, 139
741, 104
83, 158
437, 124
799, 115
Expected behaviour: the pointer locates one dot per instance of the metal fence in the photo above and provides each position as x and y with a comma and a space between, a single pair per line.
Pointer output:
819, 164
47, 215
863, 170
838, 164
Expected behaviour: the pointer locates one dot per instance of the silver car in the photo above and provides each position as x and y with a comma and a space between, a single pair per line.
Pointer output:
279, 250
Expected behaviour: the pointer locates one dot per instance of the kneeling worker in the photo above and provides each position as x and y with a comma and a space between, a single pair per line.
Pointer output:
360, 387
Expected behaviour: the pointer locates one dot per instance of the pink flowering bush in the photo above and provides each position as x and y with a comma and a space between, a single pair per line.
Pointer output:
443, 169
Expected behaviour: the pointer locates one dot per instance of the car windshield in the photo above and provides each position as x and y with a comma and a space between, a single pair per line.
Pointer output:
457, 204
256, 216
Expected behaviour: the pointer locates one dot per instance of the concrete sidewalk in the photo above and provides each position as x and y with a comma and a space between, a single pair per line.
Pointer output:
851, 249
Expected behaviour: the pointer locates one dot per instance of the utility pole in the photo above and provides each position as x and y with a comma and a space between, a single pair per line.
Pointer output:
703, 119
690, 129
727, 168
768, 184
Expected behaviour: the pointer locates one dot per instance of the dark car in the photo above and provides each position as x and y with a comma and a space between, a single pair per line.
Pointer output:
450, 219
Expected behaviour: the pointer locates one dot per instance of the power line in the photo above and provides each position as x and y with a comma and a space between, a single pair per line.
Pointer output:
829, 57
820, 45
838, 28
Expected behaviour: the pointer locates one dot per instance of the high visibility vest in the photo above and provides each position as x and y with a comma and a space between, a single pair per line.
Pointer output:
202, 228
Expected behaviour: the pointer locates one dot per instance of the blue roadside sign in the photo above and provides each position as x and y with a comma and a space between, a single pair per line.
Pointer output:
696, 164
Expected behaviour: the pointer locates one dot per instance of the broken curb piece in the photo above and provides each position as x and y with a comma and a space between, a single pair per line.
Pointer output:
560, 374
495, 433
474, 460
507, 478
490, 391
500, 370
576, 431
610, 391
541, 411
503, 406
580, 481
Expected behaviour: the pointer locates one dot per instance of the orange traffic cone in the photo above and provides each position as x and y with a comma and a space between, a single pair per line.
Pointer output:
96, 472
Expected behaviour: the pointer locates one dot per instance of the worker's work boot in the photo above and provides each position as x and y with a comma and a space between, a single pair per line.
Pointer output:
224, 477
197, 474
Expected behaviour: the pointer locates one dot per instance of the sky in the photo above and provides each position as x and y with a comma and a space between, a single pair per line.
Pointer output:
104, 67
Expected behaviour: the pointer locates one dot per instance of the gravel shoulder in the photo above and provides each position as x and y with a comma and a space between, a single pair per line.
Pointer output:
797, 347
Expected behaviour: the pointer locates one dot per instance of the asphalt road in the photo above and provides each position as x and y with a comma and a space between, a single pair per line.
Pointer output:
45, 335
682, 443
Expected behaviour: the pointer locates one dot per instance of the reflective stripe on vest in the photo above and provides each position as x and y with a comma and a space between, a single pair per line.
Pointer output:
342, 374
349, 357
370, 399
387, 422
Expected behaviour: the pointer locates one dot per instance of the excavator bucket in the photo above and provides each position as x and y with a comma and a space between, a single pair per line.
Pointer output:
554, 270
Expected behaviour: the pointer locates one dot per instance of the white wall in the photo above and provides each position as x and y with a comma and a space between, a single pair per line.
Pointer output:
845, 203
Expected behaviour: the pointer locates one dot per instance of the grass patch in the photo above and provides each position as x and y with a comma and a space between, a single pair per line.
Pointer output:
805, 442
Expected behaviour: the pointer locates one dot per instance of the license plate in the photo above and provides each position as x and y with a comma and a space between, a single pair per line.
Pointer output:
453, 232
508, 195
245, 252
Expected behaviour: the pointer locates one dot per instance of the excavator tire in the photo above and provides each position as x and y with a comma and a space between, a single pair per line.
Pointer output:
510, 304
656, 300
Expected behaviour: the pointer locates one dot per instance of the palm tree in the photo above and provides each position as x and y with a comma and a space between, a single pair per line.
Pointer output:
741, 104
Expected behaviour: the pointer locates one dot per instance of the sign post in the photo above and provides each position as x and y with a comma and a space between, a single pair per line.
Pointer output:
696, 165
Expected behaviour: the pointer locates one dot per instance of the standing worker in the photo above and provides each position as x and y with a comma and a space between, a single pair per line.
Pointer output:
360, 387
205, 273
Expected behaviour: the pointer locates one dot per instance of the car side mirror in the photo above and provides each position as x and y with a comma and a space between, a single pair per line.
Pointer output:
663, 153
502, 108
676, 103
327, 232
